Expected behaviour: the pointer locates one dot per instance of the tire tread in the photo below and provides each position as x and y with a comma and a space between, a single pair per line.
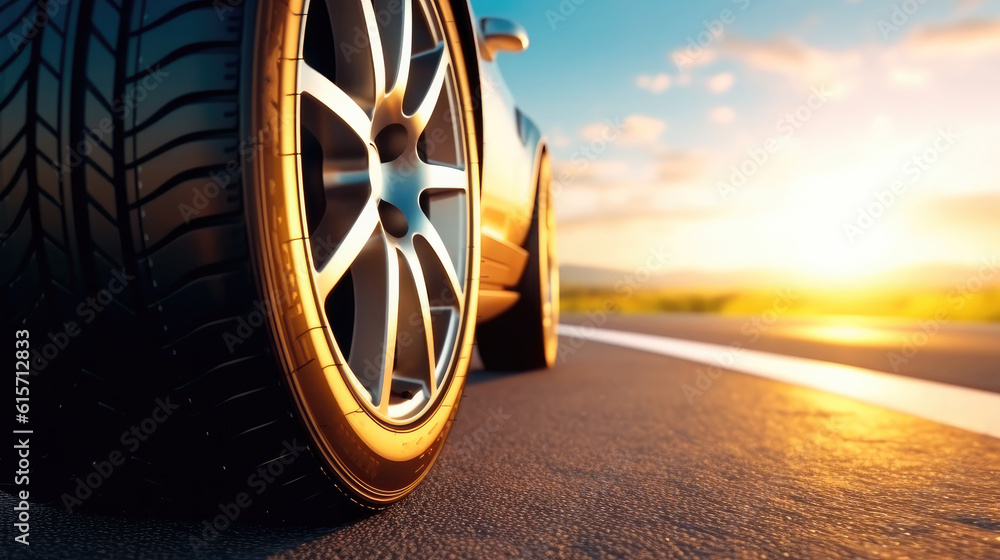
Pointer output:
75, 221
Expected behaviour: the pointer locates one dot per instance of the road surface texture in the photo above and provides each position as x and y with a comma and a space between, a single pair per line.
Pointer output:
607, 456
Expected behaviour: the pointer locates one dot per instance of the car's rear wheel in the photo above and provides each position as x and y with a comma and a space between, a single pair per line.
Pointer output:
525, 337
275, 205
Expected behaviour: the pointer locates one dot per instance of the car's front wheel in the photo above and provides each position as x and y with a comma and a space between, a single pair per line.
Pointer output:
273, 207
377, 247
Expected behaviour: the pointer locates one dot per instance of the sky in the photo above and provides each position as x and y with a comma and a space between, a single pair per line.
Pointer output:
834, 139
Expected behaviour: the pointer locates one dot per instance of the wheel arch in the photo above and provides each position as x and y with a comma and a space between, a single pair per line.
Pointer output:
467, 28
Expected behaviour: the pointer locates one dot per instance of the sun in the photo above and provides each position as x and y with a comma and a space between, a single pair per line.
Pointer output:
821, 244
825, 256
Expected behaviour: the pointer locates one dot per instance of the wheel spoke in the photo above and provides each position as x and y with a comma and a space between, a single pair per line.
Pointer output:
335, 99
417, 323
424, 86
348, 250
397, 41
373, 348
438, 251
342, 39
391, 327
375, 46
443, 178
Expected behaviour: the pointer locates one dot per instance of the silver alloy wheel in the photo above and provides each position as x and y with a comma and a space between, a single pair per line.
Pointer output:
386, 194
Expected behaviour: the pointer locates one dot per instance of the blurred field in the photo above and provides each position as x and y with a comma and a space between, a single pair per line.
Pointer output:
962, 302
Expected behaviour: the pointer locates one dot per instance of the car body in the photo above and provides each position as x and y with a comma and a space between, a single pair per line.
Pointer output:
510, 166
293, 217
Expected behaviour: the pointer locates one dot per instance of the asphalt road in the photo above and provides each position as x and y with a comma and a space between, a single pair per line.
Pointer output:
606, 457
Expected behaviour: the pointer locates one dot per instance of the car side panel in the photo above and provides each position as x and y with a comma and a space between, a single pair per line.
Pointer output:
508, 165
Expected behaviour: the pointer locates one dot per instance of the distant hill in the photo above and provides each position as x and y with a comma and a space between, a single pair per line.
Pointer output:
918, 292
918, 277
584, 277
588, 276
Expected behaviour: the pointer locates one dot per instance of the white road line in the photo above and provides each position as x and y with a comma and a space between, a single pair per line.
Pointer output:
969, 409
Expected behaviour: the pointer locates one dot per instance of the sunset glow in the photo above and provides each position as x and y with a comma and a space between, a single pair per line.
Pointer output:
771, 142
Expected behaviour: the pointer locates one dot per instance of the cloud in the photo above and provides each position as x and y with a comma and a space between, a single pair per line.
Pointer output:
722, 115
642, 129
655, 84
689, 58
963, 6
782, 55
591, 173
560, 140
974, 37
908, 77
677, 167
631, 131
795, 60
928, 58
720, 83
974, 213
810, 65
617, 217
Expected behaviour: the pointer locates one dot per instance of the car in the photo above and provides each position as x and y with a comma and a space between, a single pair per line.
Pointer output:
253, 244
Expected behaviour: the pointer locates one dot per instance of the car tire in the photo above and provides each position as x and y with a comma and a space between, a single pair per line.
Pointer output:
157, 241
525, 337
